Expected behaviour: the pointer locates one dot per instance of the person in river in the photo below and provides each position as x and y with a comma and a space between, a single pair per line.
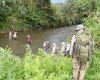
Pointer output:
81, 49
15, 35
65, 48
10, 35
28, 40
46, 45
68, 48
54, 49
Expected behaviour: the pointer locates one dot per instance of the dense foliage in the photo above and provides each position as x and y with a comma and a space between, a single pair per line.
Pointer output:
94, 70
32, 67
28, 13
43, 14
76, 10
93, 23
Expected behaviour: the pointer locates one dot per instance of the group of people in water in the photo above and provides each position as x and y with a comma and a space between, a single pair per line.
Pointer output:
13, 34
65, 47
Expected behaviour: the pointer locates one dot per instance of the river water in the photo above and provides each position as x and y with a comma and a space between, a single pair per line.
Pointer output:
38, 37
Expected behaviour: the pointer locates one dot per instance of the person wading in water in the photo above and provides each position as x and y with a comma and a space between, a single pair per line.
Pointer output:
28, 40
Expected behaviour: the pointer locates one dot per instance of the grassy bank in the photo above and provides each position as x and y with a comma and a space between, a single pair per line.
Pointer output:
93, 23
31, 67
94, 71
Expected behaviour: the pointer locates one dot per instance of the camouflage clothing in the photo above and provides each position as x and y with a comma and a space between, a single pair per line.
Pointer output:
79, 71
81, 51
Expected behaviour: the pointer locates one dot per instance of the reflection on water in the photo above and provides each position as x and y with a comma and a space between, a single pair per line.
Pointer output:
38, 37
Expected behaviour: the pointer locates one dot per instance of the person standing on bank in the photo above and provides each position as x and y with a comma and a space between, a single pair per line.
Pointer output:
81, 51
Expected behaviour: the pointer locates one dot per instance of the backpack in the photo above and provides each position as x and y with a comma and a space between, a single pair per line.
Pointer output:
82, 46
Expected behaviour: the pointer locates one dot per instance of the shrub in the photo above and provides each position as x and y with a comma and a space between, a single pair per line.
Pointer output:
94, 71
34, 67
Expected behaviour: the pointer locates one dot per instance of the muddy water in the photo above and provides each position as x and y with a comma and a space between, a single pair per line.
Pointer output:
38, 37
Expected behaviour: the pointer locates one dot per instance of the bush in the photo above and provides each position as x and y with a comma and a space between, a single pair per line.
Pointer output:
34, 67
10, 66
94, 71
93, 23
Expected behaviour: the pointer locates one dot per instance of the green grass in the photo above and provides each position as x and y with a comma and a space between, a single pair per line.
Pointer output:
34, 67
42, 66
94, 71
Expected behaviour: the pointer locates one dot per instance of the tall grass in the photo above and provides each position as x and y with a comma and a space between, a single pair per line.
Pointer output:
94, 71
93, 23
34, 67
10, 66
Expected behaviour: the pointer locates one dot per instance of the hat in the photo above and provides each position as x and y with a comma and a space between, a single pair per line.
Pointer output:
63, 43
54, 44
80, 26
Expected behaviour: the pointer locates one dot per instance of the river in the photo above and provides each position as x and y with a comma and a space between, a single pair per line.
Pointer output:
38, 37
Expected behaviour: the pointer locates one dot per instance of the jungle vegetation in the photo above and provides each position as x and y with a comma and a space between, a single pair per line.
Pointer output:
46, 66
24, 14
